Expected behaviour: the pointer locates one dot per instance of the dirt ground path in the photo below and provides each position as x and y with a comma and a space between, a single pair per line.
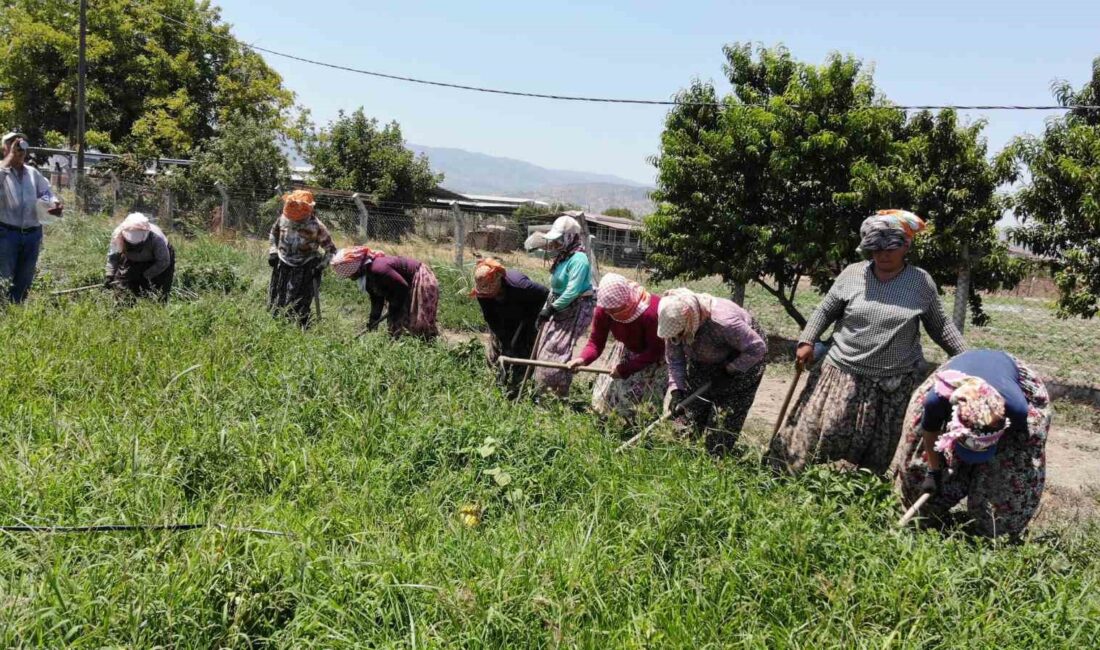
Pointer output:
1073, 453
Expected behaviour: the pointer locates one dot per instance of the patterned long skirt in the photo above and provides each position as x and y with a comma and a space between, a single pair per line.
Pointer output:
625, 396
559, 338
844, 417
291, 290
420, 317
1002, 495
730, 396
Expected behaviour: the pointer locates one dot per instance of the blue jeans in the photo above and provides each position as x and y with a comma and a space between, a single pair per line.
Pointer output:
18, 259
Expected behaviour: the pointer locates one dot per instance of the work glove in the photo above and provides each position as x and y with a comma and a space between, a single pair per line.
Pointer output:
547, 313
109, 282
272, 259
933, 482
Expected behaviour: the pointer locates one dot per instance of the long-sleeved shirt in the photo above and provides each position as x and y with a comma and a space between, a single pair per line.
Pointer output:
301, 243
639, 336
570, 280
388, 279
998, 370
516, 306
20, 193
878, 323
727, 337
154, 249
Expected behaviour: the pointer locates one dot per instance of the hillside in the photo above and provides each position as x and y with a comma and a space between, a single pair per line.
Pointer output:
478, 173
364, 450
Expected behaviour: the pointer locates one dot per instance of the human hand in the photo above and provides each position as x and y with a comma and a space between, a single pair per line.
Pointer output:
933, 482
615, 373
272, 259
676, 399
575, 363
804, 356
546, 313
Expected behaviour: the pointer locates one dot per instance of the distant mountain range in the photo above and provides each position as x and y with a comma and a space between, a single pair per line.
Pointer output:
478, 173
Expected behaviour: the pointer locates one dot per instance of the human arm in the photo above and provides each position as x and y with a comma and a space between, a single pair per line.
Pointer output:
326, 247
676, 357
831, 308
654, 351
162, 256
597, 340
273, 239
749, 347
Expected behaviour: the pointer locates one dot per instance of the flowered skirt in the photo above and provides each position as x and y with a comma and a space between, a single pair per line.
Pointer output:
624, 396
291, 291
844, 417
420, 317
1002, 495
730, 396
559, 338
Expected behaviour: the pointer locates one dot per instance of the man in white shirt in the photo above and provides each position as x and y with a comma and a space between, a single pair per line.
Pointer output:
22, 188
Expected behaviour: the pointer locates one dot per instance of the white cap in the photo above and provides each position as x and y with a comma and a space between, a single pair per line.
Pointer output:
8, 137
135, 236
561, 226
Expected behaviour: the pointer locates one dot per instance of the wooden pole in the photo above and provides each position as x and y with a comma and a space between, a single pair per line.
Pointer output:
914, 509
553, 364
81, 76
787, 400
687, 400
63, 292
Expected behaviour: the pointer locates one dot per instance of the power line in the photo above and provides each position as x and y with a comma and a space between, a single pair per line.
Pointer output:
611, 100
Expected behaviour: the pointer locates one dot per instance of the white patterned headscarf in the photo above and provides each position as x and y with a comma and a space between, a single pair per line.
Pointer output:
681, 313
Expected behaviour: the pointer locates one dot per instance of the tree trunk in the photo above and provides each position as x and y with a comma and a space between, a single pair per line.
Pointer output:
737, 293
787, 302
962, 290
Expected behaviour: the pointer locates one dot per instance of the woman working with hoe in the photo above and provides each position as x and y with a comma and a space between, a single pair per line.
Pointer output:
510, 302
406, 286
852, 407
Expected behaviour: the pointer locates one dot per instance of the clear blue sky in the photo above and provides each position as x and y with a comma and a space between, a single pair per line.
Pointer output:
931, 52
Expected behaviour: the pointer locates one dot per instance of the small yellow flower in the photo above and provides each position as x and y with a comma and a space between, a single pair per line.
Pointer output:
470, 514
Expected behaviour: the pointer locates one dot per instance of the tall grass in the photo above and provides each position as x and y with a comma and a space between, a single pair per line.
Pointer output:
365, 451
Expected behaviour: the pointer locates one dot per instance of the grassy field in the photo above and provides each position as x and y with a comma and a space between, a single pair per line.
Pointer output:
365, 451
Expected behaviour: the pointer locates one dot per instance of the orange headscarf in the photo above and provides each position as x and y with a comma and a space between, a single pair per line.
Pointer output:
488, 276
298, 205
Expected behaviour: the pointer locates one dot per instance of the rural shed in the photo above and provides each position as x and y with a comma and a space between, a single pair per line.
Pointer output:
615, 239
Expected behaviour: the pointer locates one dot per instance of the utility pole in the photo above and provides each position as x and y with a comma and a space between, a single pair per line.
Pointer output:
81, 73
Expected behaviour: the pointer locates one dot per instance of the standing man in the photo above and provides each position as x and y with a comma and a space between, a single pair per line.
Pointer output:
21, 189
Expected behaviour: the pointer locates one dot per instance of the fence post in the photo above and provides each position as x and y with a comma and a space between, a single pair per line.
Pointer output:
460, 233
589, 247
364, 216
225, 204
116, 186
962, 289
169, 208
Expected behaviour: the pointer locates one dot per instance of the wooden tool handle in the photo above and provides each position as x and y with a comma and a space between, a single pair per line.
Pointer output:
552, 364
914, 509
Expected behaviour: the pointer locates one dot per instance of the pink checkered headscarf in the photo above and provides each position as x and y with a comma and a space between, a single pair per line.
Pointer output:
682, 313
347, 261
622, 299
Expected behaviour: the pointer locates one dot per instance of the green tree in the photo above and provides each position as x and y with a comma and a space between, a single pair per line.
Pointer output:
1059, 205
943, 174
624, 213
354, 154
163, 75
762, 187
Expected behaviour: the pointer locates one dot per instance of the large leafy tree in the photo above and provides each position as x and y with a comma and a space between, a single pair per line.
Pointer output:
355, 154
942, 173
163, 75
1059, 206
770, 185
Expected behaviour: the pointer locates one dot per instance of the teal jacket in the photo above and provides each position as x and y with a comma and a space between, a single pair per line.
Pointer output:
570, 279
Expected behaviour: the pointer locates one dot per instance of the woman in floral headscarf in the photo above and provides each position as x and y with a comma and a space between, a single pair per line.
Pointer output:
714, 340
510, 302
977, 429
140, 258
626, 310
852, 407
568, 313
300, 249
406, 286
